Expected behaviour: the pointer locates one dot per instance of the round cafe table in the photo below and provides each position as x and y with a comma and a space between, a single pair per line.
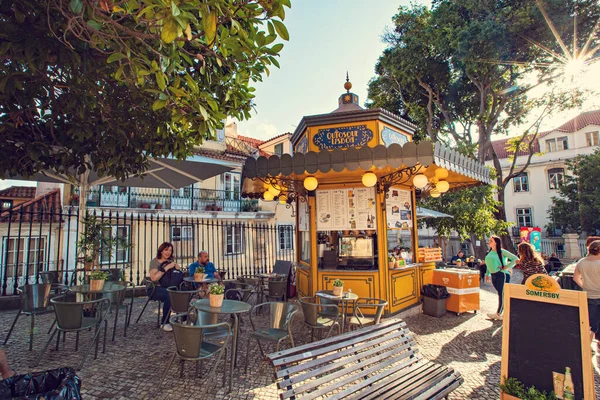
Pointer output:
345, 298
206, 280
234, 308
109, 287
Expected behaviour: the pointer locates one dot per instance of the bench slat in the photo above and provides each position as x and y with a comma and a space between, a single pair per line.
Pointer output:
337, 354
441, 389
386, 326
322, 348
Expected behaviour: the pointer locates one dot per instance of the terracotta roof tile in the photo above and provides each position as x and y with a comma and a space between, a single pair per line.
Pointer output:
18, 192
501, 148
580, 122
45, 208
251, 141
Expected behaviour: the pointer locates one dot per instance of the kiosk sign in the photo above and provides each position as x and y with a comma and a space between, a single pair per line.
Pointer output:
342, 137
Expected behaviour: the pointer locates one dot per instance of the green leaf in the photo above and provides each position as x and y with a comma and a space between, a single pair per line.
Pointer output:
281, 30
94, 24
174, 9
169, 31
76, 6
209, 24
115, 57
277, 48
160, 80
203, 112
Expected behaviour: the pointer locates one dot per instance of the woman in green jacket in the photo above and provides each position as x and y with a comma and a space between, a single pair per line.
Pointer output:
498, 263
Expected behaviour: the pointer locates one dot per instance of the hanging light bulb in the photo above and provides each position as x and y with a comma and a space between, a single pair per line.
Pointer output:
268, 196
369, 179
420, 181
442, 186
274, 189
434, 193
441, 173
310, 183
283, 199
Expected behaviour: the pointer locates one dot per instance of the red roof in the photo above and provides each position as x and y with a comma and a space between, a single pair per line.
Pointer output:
276, 137
580, 122
501, 148
41, 209
18, 192
251, 141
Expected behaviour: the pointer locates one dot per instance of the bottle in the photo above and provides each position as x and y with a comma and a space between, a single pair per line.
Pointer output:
569, 392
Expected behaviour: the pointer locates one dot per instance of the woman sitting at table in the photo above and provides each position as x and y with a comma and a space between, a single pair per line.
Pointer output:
165, 272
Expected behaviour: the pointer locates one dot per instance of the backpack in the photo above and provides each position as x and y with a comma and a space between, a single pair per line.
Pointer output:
172, 277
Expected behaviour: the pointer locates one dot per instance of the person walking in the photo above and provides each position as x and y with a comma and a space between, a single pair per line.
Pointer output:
530, 262
587, 275
499, 263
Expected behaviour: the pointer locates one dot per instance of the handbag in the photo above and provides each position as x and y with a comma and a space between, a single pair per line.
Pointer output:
172, 277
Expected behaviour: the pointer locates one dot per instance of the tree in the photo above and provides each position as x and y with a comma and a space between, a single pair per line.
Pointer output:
457, 69
577, 206
106, 84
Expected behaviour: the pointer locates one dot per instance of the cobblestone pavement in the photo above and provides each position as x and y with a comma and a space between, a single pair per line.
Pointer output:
133, 366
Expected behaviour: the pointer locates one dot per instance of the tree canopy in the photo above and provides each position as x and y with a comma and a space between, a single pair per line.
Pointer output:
105, 84
577, 207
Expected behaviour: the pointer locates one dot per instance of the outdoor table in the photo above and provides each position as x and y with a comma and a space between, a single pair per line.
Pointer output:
234, 308
345, 298
109, 287
206, 280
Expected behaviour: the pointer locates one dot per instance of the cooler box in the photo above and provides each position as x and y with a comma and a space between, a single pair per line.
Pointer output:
463, 286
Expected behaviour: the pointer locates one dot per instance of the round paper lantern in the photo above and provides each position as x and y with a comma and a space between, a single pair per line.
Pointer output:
434, 193
420, 181
310, 183
441, 173
274, 190
442, 186
369, 179
268, 196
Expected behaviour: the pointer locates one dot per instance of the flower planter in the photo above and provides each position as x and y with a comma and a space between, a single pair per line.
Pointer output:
338, 290
504, 396
159, 207
391, 264
199, 277
216, 300
96, 284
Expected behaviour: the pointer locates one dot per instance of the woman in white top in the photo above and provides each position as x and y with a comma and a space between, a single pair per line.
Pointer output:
587, 275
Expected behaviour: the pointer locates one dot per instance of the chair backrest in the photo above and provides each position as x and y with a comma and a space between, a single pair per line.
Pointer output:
311, 310
282, 267
281, 314
235, 290
250, 279
372, 304
277, 288
48, 277
34, 298
118, 296
114, 274
180, 299
70, 313
189, 337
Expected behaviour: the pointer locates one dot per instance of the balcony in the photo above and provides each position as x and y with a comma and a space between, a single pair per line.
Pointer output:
182, 199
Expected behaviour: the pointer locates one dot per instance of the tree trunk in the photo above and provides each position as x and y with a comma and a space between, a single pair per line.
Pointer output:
501, 215
481, 250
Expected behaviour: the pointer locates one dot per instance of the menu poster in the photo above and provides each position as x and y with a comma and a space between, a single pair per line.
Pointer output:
303, 217
346, 209
398, 209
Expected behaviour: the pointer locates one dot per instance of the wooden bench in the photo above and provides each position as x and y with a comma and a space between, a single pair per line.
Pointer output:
375, 362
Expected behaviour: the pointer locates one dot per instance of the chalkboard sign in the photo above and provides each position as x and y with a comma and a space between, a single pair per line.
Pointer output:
544, 331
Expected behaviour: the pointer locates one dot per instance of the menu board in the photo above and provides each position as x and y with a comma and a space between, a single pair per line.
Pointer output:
398, 208
346, 209
303, 217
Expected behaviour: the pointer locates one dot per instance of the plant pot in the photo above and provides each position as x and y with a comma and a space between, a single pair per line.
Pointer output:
504, 396
159, 207
338, 290
96, 284
145, 205
199, 277
216, 300
391, 264
89, 265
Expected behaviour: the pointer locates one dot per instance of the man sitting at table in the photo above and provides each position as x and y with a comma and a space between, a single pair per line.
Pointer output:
204, 261
459, 256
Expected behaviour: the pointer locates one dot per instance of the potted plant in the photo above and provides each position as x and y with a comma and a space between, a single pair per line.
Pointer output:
338, 287
95, 239
97, 279
391, 261
199, 274
216, 293
513, 389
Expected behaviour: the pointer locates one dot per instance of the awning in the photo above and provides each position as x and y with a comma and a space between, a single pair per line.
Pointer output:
366, 158
427, 213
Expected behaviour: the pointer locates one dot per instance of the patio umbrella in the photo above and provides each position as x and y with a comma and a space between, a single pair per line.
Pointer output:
427, 213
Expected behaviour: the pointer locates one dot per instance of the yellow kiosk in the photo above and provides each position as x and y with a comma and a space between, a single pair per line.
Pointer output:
353, 180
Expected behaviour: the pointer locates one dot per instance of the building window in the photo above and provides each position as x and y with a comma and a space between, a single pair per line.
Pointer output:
279, 149
557, 144
182, 233
524, 217
182, 237
119, 254
591, 138
234, 239
286, 237
521, 182
5, 205
556, 177
231, 185
22, 252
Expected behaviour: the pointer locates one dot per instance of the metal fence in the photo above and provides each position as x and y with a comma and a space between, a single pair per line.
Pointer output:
46, 240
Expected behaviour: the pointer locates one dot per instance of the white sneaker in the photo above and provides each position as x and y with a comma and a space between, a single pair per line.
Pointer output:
494, 316
167, 327
498, 317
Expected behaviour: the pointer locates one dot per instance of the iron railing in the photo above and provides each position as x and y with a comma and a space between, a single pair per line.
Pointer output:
46, 240
181, 199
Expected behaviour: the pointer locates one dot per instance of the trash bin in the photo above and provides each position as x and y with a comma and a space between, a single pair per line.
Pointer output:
56, 384
565, 278
434, 300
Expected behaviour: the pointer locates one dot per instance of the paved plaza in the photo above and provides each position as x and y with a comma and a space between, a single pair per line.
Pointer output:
133, 366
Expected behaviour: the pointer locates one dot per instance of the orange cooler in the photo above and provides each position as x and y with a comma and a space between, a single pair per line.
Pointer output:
463, 286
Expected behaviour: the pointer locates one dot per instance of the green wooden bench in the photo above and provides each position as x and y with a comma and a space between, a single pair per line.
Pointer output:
375, 362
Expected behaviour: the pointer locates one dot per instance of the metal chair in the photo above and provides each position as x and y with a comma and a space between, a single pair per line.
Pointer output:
34, 301
152, 287
117, 302
114, 274
191, 346
241, 291
203, 318
254, 281
374, 308
76, 316
319, 316
277, 289
279, 328
180, 299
